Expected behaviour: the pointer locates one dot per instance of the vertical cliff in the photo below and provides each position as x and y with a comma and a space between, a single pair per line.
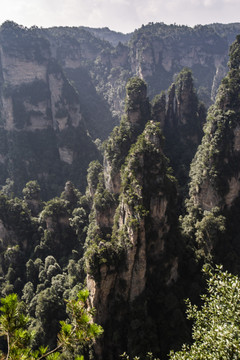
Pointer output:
155, 53
181, 116
132, 124
185, 117
84, 59
41, 121
213, 205
133, 248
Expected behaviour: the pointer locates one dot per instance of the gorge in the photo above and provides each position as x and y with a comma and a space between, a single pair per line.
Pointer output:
119, 172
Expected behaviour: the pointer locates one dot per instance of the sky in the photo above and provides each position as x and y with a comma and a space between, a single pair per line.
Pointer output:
119, 15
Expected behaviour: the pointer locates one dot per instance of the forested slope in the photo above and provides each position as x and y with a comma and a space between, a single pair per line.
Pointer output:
114, 226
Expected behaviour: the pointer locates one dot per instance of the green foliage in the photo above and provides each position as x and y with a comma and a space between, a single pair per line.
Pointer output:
124, 135
159, 108
214, 166
118, 144
149, 356
81, 330
216, 329
208, 230
7, 189
148, 146
35, 155
31, 47
55, 209
75, 334
103, 199
136, 90
184, 80
234, 56
31, 191
183, 126
43, 258
109, 252
14, 327
216, 143
205, 227
94, 169
71, 195
79, 220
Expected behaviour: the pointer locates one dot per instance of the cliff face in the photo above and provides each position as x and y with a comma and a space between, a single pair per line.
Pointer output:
155, 53
124, 232
214, 187
160, 51
181, 116
140, 240
41, 110
132, 124
84, 59
41, 120
134, 254
99, 71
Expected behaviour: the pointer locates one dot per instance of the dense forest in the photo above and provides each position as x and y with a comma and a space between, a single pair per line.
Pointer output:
120, 180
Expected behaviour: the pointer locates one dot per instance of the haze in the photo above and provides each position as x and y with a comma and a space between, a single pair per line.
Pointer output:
119, 15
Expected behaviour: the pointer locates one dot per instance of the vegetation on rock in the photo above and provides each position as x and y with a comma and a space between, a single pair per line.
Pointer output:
122, 236
214, 175
216, 328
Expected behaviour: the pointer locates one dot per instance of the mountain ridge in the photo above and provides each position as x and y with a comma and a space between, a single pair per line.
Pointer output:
122, 237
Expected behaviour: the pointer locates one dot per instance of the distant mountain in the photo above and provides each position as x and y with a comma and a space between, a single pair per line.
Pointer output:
212, 221
94, 65
109, 35
127, 235
155, 52
43, 134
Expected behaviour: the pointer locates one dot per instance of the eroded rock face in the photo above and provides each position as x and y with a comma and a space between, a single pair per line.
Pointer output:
8, 237
41, 119
141, 225
137, 115
183, 123
155, 53
38, 111
112, 181
66, 155
17, 70
206, 196
213, 206
237, 138
134, 272
234, 188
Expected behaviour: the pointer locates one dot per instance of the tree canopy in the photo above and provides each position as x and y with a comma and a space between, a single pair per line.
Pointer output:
216, 326
75, 333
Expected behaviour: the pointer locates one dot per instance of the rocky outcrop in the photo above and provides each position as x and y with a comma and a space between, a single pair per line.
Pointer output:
161, 51
155, 53
131, 239
99, 72
206, 196
39, 112
136, 247
221, 71
214, 186
234, 188
222, 128
181, 116
137, 114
